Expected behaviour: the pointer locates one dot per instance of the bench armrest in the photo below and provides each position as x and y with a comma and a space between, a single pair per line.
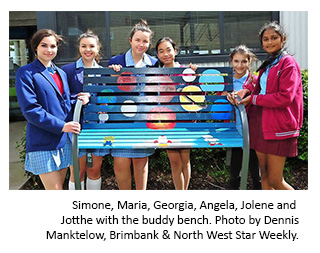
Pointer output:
75, 150
246, 144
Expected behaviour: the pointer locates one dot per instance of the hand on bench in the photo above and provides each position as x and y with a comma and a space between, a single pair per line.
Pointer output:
72, 127
84, 97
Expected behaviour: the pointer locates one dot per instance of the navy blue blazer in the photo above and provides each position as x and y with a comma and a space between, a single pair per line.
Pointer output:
43, 106
121, 59
75, 80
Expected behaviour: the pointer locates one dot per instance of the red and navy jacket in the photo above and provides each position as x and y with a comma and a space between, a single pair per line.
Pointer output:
282, 112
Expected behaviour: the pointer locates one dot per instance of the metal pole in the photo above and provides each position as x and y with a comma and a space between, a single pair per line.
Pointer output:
245, 148
75, 150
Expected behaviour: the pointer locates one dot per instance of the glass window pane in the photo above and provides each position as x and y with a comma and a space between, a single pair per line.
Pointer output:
243, 27
72, 24
195, 32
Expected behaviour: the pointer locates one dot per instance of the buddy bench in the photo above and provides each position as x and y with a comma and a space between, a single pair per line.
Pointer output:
160, 108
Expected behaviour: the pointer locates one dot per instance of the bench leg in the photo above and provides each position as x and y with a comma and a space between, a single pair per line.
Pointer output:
244, 170
75, 160
246, 148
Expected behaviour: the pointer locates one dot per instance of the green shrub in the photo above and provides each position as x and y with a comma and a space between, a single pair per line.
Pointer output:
303, 138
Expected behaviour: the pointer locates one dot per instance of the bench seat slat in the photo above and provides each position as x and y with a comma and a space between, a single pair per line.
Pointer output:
162, 139
188, 145
152, 79
147, 135
153, 71
154, 88
166, 98
147, 108
141, 138
185, 126
153, 117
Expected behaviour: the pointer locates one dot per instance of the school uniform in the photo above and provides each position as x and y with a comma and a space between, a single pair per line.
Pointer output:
247, 81
44, 98
74, 73
126, 60
277, 112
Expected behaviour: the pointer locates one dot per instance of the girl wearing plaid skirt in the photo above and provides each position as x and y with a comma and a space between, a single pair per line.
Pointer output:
44, 98
136, 56
89, 49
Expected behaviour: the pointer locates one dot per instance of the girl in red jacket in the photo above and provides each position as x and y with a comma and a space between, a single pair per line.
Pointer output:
277, 111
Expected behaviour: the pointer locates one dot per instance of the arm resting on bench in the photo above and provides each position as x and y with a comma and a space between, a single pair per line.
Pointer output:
75, 150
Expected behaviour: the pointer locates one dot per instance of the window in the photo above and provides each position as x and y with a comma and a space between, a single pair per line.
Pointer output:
72, 24
199, 35
243, 28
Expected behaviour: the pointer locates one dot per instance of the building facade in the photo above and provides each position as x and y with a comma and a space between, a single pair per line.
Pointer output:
203, 37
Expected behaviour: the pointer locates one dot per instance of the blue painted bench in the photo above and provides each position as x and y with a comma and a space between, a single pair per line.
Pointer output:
160, 108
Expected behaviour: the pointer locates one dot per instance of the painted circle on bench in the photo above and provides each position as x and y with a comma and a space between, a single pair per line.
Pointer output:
129, 110
107, 98
158, 114
167, 89
127, 78
211, 76
190, 77
103, 117
188, 98
222, 115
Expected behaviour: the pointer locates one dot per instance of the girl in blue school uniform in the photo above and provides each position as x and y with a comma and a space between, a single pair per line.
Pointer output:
44, 97
140, 38
244, 80
179, 158
89, 48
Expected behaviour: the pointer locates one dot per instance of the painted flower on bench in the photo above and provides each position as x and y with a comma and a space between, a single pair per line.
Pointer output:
211, 141
108, 140
162, 141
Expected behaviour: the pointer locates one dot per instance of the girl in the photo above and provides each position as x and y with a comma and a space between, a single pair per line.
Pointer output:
179, 158
89, 50
241, 58
277, 111
140, 38
44, 98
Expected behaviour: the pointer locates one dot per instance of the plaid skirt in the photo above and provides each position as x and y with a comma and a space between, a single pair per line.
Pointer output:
96, 152
40, 162
132, 153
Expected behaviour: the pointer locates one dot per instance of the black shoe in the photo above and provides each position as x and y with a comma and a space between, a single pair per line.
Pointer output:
234, 184
257, 185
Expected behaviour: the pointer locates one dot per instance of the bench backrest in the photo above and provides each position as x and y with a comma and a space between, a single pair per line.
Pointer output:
157, 98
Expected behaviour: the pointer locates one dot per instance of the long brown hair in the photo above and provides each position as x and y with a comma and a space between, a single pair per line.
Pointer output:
43, 33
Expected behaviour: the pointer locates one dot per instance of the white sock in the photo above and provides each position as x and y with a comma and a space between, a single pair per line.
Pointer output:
93, 184
73, 187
